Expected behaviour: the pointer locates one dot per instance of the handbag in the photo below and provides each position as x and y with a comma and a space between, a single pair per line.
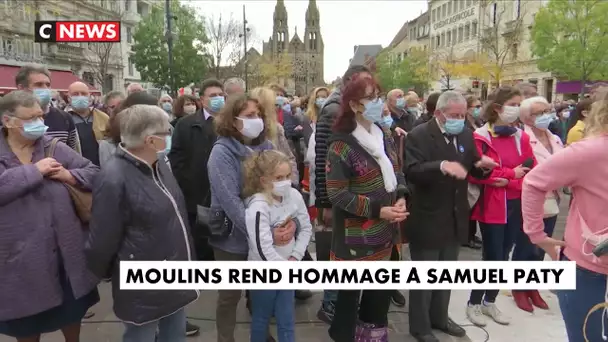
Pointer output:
82, 200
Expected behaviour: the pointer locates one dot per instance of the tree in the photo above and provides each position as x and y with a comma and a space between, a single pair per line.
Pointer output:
570, 38
274, 69
501, 35
102, 56
150, 52
410, 72
236, 55
222, 35
448, 67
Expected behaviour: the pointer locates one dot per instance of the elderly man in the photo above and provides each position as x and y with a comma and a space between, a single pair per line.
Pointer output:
234, 85
134, 88
166, 103
439, 155
120, 216
37, 79
91, 123
111, 102
402, 118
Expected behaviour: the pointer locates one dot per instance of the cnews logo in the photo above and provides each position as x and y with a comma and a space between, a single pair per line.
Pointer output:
77, 31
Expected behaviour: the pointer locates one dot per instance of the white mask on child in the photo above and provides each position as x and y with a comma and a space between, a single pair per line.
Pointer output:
281, 188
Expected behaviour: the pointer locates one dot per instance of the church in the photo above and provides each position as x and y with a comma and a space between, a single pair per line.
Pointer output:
306, 55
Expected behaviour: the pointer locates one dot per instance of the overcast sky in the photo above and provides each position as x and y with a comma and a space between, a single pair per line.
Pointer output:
344, 24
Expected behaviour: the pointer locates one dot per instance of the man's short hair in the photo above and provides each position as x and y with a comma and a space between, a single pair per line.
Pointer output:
209, 83
23, 75
449, 97
234, 80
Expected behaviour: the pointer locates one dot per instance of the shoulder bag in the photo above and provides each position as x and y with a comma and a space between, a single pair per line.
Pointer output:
82, 200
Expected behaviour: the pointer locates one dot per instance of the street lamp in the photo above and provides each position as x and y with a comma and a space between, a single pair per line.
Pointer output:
244, 36
169, 37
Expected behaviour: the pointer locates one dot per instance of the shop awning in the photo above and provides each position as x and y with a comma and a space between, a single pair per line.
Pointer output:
60, 80
574, 87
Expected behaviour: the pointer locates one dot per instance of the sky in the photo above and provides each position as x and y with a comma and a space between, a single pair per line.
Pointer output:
344, 24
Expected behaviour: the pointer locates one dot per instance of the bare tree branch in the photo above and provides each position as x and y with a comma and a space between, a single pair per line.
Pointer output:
222, 35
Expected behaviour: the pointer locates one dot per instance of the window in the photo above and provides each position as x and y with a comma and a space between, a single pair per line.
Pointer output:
455, 35
494, 13
444, 11
460, 34
8, 45
514, 51
88, 77
516, 9
130, 67
450, 7
474, 29
467, 32
449, 38
129, 35
420, 31
108, 84
433, 15
461, 5
437, 40
127, 5
443, 40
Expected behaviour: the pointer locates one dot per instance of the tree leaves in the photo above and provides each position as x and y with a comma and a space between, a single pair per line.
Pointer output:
411, 72
569, 39
150, 53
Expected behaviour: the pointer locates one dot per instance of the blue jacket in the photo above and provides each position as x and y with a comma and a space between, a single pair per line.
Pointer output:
226, 179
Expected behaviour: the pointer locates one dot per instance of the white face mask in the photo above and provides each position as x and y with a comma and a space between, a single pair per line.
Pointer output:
189, 109
509, 114
252, 127
566, 114
281, 188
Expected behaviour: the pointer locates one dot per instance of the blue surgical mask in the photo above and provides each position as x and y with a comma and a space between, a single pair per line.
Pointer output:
387, 121
216, 103
43, 95
476, 112
543, 121
167, 148
320, 101
373, 111
79, 102
453, 126
167, 106
280, 101
286, 108
400, 103
34, 129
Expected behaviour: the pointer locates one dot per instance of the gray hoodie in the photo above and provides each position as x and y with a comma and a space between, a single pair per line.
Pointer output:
226, 179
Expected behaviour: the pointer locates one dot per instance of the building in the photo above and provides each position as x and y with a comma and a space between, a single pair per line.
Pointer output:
133, 12
305, 55
365, 55
413, 35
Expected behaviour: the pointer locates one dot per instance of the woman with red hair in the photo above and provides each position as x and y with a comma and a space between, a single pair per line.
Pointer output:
367, 191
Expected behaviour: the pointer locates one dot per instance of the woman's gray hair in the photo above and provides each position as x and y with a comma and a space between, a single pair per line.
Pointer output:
140, 121
526, 105
18, 98
449, 97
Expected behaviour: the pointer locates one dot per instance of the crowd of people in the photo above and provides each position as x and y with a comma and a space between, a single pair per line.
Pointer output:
238, 174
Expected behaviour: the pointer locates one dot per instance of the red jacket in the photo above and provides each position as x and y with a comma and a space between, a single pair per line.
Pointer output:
491, 207
280, 115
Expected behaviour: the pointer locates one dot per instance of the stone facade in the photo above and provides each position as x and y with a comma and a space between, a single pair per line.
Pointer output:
305, 54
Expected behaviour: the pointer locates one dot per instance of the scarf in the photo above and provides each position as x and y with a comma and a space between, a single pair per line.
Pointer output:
373, 143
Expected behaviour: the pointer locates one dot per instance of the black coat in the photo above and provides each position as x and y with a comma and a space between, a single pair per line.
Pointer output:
439, 208
139, 215
323, 132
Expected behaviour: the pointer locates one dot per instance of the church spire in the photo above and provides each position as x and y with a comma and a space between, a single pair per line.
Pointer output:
280, 32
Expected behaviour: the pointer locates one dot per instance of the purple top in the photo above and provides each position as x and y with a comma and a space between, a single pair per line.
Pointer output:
38, 224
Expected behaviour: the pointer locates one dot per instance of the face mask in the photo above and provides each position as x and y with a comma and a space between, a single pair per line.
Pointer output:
167, 106
543, 121
505, 131
79, 102
476, 112
216, 103
298, 111
190, 109
373, 111
34, 130
400, 103
43, 95
320, 102
286, 108
453, 126
280, 101
281, 188
167, 148
566, 115
387, 121
252, 127
509, 114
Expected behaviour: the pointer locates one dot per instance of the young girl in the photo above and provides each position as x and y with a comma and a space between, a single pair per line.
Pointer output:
270, 203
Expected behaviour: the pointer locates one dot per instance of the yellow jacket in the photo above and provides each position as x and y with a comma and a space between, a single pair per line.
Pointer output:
576, 132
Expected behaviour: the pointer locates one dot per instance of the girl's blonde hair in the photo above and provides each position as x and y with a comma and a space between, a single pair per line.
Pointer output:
267, 99
597, 121
312, 112
258, 165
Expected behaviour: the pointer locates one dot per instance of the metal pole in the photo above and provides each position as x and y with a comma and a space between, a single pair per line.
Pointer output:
245, 50
170, 46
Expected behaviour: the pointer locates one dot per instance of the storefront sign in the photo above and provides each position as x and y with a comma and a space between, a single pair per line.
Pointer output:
454, 19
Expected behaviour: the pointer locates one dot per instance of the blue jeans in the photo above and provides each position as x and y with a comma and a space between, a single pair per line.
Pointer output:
268, 303
170, 329
496, 243
527, 251
575, 304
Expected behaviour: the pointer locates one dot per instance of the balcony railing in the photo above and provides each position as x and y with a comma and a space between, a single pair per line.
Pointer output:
511, 26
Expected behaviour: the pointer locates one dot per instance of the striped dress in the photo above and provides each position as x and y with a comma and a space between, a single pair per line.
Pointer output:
356, 190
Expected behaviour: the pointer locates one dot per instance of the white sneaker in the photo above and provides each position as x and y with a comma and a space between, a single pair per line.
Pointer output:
475, 315
491, 310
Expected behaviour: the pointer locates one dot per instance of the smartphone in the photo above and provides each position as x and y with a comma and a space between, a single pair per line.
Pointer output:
528, 163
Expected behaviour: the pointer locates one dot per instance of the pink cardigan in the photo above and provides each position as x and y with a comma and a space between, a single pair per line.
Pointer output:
583, 167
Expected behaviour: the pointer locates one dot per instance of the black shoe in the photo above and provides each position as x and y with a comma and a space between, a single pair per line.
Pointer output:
303, 294
398, 299
472, 244
270, 338
452, 329
477, 240
325, 315
191, 329
426, 338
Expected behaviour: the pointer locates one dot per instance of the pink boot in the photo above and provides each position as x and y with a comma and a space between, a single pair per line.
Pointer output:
367, 332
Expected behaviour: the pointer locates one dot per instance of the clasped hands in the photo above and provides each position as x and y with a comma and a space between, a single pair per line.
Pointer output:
456, 170
396, 213
51, 168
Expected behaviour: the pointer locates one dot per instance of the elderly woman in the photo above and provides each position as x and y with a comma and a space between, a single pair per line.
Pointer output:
166, 103
136, 192
45, 282
367, 191
536, 114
